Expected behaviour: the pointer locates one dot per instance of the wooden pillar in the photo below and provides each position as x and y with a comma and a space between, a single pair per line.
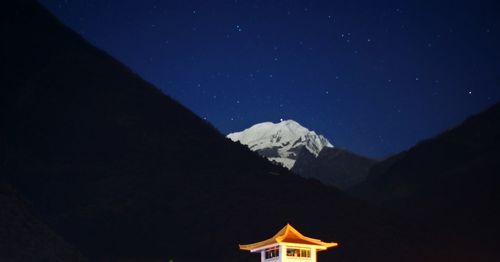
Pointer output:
313, 254
282, 253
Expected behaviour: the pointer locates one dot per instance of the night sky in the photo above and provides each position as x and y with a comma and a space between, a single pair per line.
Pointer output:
374, 77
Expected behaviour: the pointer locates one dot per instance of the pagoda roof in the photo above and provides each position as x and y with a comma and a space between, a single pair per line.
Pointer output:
290, 235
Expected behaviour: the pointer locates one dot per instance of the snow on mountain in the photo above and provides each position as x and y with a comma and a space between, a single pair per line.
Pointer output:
281, 142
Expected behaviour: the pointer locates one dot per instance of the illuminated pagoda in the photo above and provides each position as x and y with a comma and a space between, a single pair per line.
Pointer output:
288, 245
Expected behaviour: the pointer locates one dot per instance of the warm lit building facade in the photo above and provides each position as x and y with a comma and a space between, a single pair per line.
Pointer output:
288, 245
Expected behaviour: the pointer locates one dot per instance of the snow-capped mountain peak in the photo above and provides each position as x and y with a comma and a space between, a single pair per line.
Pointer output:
281, 141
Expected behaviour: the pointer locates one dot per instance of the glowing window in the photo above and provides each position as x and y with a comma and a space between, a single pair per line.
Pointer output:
298, 252
272, 252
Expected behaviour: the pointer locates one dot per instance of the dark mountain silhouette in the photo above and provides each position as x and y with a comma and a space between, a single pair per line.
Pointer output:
336, 167
450, 185
124, 172
23, 237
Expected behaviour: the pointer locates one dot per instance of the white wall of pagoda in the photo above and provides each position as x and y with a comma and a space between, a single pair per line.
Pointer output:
283, 257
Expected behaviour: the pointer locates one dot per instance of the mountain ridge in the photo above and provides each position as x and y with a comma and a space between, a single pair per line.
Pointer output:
449, 184
305, 153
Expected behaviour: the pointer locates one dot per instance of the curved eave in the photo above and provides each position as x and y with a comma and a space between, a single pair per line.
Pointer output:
258, 245
289, 235
329, 245
318, 246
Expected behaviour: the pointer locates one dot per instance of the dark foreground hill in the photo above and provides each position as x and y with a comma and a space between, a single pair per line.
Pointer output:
23, 237
122, 171
450, 185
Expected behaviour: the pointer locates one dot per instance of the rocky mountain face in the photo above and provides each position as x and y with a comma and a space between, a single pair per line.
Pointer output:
281, 142
333, 166
107, 161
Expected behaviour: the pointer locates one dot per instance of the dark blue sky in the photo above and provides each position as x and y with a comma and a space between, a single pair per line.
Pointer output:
374, 77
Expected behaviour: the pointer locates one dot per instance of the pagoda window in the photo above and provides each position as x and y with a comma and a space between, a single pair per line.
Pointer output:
272, 252
298, 252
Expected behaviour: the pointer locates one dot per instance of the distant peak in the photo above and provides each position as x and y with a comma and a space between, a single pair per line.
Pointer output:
281, 141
